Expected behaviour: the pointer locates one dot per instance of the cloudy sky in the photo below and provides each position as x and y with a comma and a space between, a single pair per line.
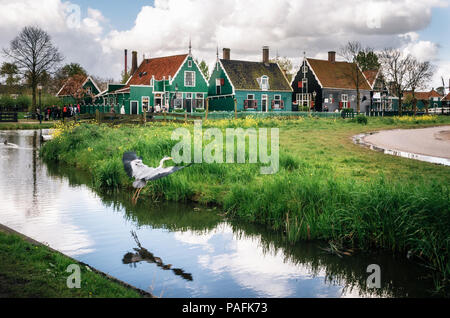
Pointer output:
95, 33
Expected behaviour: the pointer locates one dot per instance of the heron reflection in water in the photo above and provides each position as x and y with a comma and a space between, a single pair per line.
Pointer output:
143, 254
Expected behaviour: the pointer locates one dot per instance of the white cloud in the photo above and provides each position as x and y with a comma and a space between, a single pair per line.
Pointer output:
289, 27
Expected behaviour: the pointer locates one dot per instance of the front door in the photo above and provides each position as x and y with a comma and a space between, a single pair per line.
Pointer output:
134, 107
189, 103
264, 101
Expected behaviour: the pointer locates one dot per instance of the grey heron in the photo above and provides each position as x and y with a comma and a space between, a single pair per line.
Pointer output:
142, 174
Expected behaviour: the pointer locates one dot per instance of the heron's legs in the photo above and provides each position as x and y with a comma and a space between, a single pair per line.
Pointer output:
136, 195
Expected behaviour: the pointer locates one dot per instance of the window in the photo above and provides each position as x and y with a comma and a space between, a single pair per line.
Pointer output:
304, 100
264, 83
188, 95
250, 96
178, 102
344, 100
189, 79
305, 69
218, 86
189, 63
277, 101
199, 101
145, 103
89, 90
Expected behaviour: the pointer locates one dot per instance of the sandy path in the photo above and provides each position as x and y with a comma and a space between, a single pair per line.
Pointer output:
433, 141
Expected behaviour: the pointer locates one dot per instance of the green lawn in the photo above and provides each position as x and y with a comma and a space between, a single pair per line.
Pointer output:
327, 187
34, 271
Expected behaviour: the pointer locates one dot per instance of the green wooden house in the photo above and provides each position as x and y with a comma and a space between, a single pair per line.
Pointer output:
79, 89
162, 83
255, 86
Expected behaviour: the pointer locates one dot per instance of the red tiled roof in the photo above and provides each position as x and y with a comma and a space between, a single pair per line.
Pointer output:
158, 67
371, 76
68, 87
423, 95
447, 98
337, 74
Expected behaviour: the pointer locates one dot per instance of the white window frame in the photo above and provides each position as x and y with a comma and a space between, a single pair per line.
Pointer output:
190, 64
193, 79
253, 96
142, 102
303, 98
277, 101
178, 96
202, 99
131, 106
264, 86
344, 100
265, 98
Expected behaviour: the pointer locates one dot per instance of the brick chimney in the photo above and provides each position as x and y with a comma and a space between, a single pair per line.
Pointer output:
134, 62
126, 62
332, 56
265, 54
226, 54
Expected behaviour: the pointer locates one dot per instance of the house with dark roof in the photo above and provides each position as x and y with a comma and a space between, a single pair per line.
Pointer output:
329, 85
171, 82
255, 86
381, 100
78, 88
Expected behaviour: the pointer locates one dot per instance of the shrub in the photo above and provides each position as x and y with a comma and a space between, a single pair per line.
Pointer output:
362, 119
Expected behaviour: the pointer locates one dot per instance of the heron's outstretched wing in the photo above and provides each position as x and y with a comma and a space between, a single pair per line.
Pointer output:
127, 159
160, 173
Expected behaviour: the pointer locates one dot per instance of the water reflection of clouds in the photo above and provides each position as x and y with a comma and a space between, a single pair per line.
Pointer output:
268, 274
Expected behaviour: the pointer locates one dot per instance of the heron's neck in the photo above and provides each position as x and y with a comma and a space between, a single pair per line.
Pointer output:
161, 164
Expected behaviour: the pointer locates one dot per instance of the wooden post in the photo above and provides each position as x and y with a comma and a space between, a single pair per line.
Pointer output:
185, 117
144, 114
97, 116
235, 108
207, 109
165, 120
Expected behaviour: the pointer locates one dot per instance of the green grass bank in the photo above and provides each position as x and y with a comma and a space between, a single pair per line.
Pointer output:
29, 270
327, 188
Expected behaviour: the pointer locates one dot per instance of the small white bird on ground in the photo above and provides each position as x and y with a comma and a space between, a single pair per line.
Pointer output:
136, 169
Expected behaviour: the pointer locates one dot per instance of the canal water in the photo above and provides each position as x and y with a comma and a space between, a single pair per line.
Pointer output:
176, 250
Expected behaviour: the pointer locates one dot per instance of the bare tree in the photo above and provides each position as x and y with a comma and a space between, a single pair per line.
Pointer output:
351, 53
395, 70
418, 75
34, 54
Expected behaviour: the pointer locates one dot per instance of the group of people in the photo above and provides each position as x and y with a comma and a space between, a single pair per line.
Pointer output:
56, 112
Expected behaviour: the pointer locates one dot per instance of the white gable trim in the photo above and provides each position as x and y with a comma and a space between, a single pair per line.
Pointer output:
229, 79
314, 73
93, 82
179, 69
287, 81
198, 67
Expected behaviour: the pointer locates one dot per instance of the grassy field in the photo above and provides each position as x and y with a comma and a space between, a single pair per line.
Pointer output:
327, 187
34, 271
24, 124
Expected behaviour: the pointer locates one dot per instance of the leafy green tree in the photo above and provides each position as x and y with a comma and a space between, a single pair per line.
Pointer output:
203, 68
11, 72
367, 60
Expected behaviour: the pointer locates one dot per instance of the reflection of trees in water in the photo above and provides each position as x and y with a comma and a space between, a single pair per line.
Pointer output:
400, 278
144, 255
